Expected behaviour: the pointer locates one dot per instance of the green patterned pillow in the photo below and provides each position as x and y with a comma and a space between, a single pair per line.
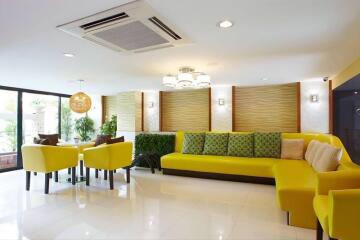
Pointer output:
267, 144
216, 144
241, 145
193, 143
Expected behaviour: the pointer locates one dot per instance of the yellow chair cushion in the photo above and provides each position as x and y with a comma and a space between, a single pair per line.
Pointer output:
260, 167
45, 159
109, 156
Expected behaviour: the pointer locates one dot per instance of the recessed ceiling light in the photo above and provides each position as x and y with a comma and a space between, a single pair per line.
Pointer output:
69, 55
264, 79
225, 24
355, 92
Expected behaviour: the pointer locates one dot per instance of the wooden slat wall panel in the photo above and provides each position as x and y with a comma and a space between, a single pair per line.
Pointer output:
129, 111
266, 108
110, 106
185, 110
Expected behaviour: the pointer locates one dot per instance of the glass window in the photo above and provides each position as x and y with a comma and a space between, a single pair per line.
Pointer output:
40, 115
67, 120
8, 129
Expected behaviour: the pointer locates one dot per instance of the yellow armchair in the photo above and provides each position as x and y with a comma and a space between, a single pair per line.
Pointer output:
109, 157
47, 159
337, 204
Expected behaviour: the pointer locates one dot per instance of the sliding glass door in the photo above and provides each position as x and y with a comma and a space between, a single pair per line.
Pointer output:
25, 113
40, 115
8, 129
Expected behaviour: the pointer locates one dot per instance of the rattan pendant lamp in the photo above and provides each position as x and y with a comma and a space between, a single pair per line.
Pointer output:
80, 102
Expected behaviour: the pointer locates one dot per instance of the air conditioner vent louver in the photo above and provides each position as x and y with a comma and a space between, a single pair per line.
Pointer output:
103, 21
134, 27
165, 28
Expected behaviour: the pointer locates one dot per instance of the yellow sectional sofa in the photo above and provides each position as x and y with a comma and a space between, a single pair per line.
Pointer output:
295, 179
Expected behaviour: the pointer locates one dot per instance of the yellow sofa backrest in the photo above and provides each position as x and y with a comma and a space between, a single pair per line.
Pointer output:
345, 161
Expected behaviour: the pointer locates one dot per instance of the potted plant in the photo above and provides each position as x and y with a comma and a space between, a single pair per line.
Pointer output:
85, 128
109, 127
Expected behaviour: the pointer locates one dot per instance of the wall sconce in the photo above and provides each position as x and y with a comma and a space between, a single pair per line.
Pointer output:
314, 98
150, 104
221, 102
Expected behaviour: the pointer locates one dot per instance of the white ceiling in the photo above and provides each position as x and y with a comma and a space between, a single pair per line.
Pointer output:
282, 40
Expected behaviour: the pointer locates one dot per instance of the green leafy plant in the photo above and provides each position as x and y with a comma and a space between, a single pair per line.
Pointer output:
109, 127
157, 145
10, 132
85, 128
66, 122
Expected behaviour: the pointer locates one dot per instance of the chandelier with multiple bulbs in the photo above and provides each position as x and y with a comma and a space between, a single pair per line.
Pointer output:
187, 78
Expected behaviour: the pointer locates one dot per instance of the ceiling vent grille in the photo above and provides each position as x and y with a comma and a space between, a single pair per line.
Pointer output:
103, 21
165, 28
130, 28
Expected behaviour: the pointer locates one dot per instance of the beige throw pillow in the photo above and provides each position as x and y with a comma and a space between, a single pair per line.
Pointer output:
310, 151
292, 149
326, 158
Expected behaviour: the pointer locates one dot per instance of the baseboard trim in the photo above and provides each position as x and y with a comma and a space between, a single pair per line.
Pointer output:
220, 176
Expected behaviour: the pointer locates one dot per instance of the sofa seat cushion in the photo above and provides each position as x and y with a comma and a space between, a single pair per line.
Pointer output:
257, 167
321, 207
294, 178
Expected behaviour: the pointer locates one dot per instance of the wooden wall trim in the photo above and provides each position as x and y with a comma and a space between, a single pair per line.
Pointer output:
160, 111
298, 99
142, 111
209, 109
331, 110
233, 107
103, 109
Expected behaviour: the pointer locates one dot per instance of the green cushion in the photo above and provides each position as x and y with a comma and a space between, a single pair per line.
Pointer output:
267, 145
241, 145
193, 143
216, 144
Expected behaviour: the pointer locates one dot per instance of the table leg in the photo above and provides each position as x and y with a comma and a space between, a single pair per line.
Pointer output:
81, 168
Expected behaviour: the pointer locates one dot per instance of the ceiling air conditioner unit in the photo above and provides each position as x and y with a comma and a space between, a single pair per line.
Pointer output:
130, 28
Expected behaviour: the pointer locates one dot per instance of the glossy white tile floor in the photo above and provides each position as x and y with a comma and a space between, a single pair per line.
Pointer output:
151, 207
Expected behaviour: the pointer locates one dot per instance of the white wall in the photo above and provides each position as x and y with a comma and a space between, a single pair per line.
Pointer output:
315, 115
221, 115
95, 111
151, 114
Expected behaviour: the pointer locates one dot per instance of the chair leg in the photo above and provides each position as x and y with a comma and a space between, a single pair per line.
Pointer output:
56, 176
47, 179
96, 173
105, 174
87, 170
50, 175
115, 171
319, 231
28, 175
73, 175
69, 171
81, 168
128, 174
111, 176
35, 173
